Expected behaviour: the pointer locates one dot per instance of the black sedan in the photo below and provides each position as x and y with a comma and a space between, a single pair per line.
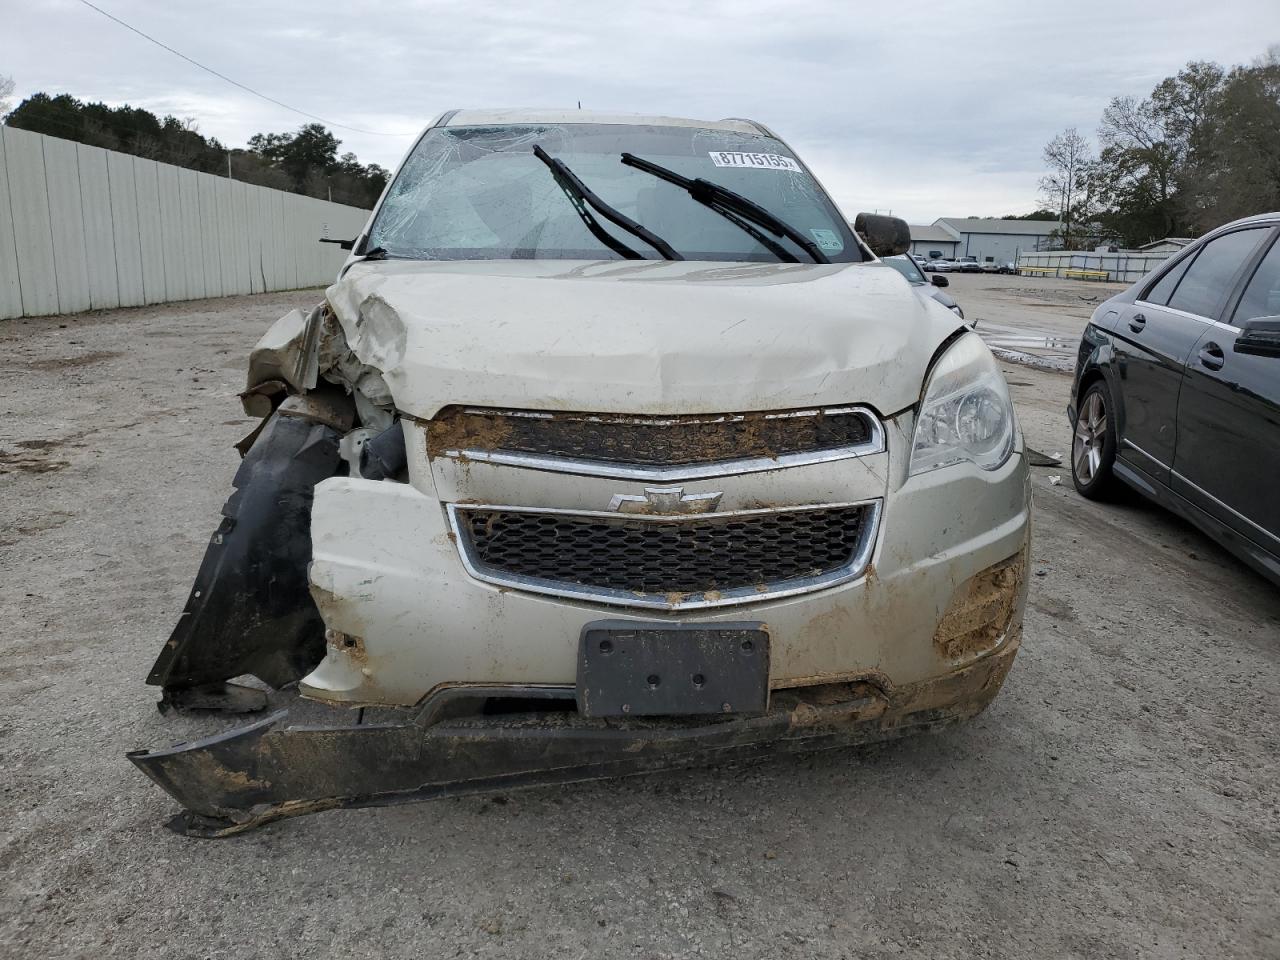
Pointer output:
1177, 390
926, 287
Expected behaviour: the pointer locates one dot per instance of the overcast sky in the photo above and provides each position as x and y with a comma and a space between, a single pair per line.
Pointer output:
929, 109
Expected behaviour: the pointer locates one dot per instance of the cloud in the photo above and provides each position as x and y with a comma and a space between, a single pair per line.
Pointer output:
929, 110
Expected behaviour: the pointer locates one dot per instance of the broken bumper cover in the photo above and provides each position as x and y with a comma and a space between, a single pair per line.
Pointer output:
406, 617
268, 771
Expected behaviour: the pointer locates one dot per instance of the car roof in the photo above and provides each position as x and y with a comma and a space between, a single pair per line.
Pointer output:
505, 117
1199, 242
1256, 218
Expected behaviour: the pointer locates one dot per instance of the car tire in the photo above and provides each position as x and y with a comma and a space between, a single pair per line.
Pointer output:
1093, 444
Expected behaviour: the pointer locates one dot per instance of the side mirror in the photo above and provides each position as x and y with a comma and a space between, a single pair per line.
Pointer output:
938, 280
886, 236
1259, 336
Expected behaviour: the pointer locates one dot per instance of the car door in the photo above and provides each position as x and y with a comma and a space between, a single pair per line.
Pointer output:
1228, 450
1155, 335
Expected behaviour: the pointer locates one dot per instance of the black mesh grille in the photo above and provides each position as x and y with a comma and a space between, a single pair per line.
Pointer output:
692, 555
642, 441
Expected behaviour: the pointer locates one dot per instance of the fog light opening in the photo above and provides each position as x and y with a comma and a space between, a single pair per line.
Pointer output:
981, 613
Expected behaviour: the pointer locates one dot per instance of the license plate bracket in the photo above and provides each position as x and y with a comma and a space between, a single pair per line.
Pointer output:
629, 668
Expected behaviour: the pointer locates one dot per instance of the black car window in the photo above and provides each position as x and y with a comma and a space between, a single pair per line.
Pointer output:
1262, 296
1207, 280
906, 267
1163, 288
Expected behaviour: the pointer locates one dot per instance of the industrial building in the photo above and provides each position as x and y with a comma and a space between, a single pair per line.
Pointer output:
933, 242
988, 239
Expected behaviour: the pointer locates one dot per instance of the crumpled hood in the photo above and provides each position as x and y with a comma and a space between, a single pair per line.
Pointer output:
639, 337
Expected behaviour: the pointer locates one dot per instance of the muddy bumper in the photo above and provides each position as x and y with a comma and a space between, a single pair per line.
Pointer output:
270, 770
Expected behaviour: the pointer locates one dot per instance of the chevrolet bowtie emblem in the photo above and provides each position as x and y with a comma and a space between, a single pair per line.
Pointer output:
660, 500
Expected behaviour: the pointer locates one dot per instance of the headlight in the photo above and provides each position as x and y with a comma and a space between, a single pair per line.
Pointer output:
966, 413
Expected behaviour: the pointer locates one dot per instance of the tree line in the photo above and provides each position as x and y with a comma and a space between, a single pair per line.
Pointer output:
305, 161
1201, 150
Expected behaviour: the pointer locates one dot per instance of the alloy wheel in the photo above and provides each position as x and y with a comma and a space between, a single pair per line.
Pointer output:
1091, 434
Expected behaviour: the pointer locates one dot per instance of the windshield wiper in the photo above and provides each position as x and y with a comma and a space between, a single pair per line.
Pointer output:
777, 249
582, 198
725, 202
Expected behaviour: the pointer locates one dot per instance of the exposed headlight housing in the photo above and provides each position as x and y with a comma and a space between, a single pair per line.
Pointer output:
966, 414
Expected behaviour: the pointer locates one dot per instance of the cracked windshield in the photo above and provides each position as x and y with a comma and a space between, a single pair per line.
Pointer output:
481, 193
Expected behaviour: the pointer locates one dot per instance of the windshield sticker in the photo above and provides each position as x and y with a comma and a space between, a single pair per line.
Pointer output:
827, 239
762, 161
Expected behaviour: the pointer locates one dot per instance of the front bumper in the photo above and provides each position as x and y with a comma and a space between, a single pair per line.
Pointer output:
406, 619
922, 637
267, 771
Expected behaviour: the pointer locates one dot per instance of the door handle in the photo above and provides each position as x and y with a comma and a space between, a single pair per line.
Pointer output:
1137, 322
1211, 356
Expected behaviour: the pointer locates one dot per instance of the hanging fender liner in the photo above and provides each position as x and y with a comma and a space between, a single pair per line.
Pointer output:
250, 610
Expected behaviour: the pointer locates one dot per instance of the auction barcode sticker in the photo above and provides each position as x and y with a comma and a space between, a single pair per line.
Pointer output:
762, 161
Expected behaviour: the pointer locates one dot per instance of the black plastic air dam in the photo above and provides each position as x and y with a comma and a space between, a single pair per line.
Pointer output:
243, 778
266, 771
250, 610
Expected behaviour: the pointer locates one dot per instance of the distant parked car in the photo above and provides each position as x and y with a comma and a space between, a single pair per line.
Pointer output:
931, 287
1177, 390
969, 265
990, 266
1009, 267
941, 266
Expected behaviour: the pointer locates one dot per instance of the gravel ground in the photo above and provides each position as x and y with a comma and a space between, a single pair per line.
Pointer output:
1118, 800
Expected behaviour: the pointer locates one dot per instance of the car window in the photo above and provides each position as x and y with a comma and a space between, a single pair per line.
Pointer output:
1163, 289
1262, 295
907, 268
1206, 281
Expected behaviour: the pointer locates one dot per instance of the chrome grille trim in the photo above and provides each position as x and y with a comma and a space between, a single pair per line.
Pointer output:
613, 470
692, 601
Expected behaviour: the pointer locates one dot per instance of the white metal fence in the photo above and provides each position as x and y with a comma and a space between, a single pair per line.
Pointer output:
82, 228
1124, 266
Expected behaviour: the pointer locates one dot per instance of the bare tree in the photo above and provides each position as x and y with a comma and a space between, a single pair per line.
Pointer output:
1066, 186
1269, 59
1139, 154
6, 90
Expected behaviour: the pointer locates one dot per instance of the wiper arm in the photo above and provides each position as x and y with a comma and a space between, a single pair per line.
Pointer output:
723, 201
582, 198
362, 249
777, 249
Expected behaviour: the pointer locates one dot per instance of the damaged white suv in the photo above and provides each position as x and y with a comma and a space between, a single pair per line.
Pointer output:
612, 449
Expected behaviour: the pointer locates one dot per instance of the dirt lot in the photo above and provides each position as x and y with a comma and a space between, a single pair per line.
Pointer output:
1035, 320
1120, 799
